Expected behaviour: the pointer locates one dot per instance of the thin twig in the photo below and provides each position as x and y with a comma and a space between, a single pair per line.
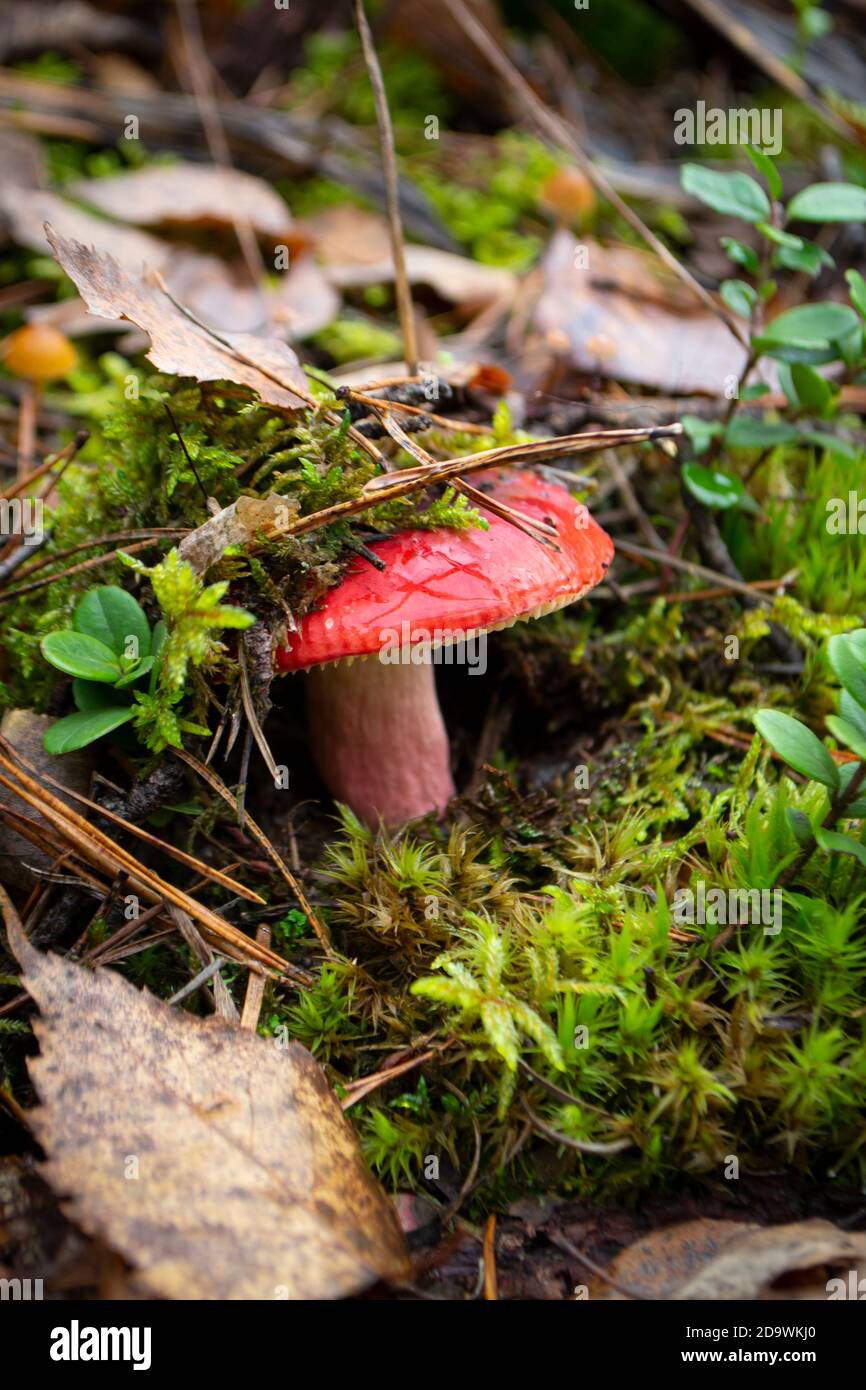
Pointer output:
583, 1146
556, 129
94, 563
199, 70
197, 980
392, 193
209, 776
690, 567
255, 987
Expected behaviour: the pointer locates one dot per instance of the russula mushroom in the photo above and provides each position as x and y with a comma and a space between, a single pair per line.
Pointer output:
36, 353
375, 727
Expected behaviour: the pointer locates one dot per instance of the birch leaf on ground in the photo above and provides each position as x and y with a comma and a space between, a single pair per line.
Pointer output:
218, 1164
722, 1260
185, 194
179, 344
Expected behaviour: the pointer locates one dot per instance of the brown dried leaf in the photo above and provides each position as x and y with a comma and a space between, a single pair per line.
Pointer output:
204, 284
185, 194
216, 1163
722, 1260
179, 344
469, 284
616, 317
355, 249
239, 524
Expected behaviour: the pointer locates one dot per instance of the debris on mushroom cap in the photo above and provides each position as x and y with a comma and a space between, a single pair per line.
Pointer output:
39, 352
462, 581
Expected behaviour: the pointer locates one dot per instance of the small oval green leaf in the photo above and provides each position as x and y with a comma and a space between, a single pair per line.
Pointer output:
835, 843
847, 734
828, 202
848, 662
712, 488
735, 195
801, 749
80, 655
112, 616
77, 730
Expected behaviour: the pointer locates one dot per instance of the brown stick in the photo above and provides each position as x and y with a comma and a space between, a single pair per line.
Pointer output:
556, 129
209, 776
392, 194
255, 987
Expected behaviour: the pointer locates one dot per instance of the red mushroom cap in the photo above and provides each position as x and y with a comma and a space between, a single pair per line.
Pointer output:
466, 581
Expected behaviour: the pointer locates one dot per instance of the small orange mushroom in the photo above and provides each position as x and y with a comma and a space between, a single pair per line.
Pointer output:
36, 353
568, 195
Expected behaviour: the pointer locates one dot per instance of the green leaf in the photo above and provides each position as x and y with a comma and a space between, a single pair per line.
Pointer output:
741, 254
764, 165
112, 616
158, 639
77, 730
828, 202
799, 747
843, 447
808, 388
800, 824
780, 238
835, 843
736, 195
739, 297
847, 734
808, 258
812, 324
91, 695
80, 655
851, 711
857, 809
135, 674
746, 433
857, 286
501, 1031
755, 392
712, 488
848, 662
700, 432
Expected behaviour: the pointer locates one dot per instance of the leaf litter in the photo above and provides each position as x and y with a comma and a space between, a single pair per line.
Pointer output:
217, 1163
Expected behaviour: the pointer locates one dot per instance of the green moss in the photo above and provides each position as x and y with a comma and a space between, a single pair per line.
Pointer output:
574, 974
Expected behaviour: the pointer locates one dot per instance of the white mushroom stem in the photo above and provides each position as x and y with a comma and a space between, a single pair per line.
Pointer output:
379, 740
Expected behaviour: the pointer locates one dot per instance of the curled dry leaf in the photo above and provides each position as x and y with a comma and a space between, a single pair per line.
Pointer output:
25, 730
469, 284
355, 250
240, 524
218, 1164
180, 344
723, 1260
610, 313
184, 194
205, 284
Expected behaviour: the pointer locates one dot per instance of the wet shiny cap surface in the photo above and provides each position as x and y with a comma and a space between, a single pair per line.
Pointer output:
469, 581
